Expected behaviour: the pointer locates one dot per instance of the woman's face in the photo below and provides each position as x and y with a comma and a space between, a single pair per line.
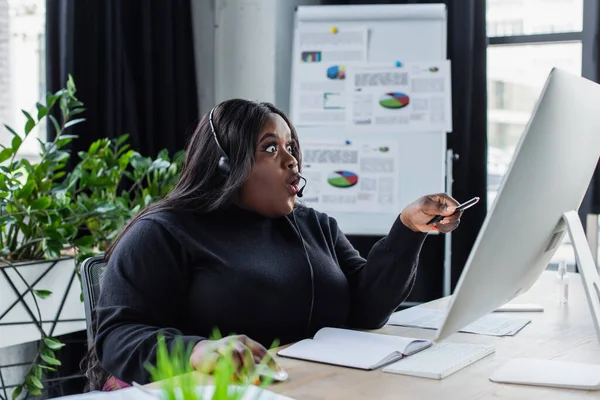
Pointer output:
273, 183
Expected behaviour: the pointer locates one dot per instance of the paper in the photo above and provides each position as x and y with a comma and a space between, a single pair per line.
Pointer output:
415, 96
320, 62
351, 176
428, 318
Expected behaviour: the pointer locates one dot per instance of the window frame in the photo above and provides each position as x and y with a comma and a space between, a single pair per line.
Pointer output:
589, 37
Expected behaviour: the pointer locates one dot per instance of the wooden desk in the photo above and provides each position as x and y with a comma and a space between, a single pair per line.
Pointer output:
560, 332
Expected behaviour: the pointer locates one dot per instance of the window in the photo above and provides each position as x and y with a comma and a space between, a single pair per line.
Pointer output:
22, 68
527, 38
533, 17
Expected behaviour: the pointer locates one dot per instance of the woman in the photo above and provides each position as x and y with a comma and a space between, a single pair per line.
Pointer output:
229, 248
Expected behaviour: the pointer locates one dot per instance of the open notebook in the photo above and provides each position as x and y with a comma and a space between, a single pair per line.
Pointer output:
355, 349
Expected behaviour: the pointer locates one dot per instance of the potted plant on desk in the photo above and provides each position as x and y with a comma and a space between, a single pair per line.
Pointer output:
51, 219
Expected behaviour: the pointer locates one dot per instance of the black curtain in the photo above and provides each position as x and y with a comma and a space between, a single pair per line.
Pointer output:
467, 44
133, 64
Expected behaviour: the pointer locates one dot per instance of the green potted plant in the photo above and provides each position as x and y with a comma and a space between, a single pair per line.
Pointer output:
51, 219
174, 378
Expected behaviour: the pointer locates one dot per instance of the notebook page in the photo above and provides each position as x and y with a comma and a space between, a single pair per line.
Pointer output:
367, 340
339, 353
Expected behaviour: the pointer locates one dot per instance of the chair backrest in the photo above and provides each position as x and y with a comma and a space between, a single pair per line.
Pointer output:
92, 271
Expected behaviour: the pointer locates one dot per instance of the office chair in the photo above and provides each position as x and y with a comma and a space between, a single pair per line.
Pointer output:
92, 271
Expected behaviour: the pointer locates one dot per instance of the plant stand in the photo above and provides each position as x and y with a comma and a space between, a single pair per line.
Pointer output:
61, 312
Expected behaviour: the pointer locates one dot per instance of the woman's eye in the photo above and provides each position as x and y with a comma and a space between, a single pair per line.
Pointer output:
290, 149
271, 149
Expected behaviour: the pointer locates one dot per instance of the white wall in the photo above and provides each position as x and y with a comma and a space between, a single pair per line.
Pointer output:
247, 53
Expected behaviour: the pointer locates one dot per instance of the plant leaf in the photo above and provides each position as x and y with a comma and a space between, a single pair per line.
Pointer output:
42, 111
5, 154
35, 381
53, 343
50, 360
42, 294
30, 122
55, 123
11, 130
41, 204
47, 367
51, 99
74, 122
85, 241
25, 191
16, 143
76, 111
17, 392
122, 139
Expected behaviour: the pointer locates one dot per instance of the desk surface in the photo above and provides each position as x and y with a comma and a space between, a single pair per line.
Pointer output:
560, 332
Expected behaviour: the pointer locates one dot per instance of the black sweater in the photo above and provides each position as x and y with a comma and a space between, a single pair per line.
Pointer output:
184, 274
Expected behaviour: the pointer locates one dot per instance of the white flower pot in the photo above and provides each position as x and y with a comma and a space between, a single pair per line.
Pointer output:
62, 312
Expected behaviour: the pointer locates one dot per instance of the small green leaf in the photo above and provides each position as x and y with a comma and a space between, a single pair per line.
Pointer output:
17, 392
16, 143
11, 130
41, 204
76, 111
85, 241
5, 154
69, 136
25, 191
48, 353
42, 294
50, 360
56, 125
34, 390
53, 343
74, 122
42, 111
51, 99
30, 124
35, 381
122, 139
47, 367
38, 371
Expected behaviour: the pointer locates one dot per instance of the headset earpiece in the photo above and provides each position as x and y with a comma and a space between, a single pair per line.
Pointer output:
224, 166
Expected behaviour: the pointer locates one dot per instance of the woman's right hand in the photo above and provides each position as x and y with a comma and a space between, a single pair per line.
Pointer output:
245, 352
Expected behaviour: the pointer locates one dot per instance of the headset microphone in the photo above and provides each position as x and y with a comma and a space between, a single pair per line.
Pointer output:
301, 191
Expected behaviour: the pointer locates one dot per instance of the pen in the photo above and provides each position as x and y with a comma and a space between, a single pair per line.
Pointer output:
460, 207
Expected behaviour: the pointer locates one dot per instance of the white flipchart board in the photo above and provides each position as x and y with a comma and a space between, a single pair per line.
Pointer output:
400, 32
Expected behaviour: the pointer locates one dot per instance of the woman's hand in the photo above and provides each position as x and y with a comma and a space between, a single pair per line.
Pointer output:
416, 215
245, 354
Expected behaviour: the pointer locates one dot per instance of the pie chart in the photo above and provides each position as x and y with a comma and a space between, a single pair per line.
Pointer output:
394, 100
342, 179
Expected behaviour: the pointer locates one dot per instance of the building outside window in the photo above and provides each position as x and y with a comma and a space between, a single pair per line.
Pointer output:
526, 39
22, 69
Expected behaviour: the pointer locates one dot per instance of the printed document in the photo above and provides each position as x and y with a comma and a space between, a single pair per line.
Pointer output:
351, 175
415, 96
321, 61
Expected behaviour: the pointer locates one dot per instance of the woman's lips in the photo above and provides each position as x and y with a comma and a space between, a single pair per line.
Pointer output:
293, 189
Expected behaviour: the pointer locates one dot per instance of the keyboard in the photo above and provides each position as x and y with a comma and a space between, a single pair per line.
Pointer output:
440, 360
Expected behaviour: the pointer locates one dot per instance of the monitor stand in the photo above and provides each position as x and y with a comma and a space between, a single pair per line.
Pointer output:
553, 373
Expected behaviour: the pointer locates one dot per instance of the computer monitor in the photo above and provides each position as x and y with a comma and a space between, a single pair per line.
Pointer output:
536, 205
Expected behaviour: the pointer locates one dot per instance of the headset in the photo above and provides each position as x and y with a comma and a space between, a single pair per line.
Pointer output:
225, 168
